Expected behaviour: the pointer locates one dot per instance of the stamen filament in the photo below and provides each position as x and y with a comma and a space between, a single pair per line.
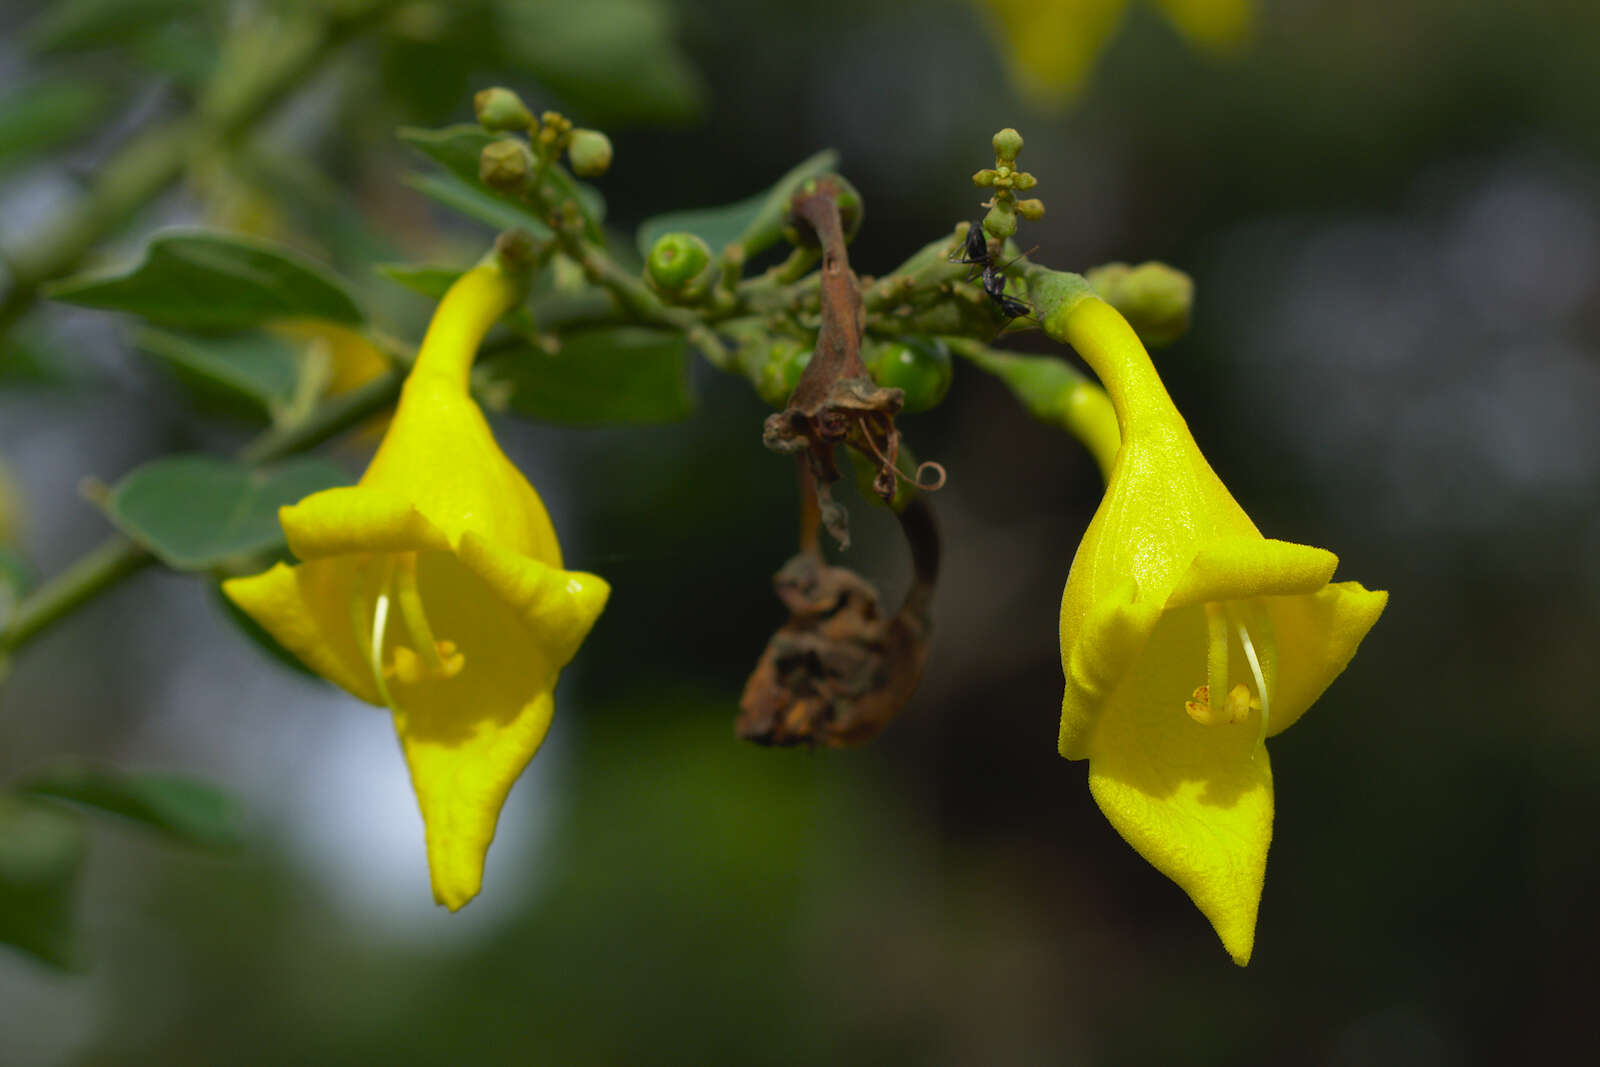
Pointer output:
1261, 684
380, 623
415, 617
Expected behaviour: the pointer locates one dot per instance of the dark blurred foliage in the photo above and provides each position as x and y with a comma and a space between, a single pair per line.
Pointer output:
1390, 212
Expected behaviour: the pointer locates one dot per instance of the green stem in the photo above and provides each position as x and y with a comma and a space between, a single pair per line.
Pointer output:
156, 160
98, 570
118, 558
329, 419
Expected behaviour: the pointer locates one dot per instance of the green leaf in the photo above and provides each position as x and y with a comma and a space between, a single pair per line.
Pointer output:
204, 280
41, 116
457, 148
188, 810
41, 855
429, 280
609, 60
756, 221
78, 25
257, 368
198, 512
15, 578
476, 202
614, 374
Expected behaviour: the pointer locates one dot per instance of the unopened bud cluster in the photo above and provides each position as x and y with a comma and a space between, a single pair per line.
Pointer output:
510, 163
1006, 181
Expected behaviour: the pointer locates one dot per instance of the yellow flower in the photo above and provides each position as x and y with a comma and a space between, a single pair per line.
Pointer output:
1053, 44
1187, 639
435, 587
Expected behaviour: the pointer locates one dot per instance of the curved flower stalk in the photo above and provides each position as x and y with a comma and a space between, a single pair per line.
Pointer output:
435, 588
1187, 638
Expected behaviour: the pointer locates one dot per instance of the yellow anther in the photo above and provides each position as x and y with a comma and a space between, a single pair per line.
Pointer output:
1236, 708
1199, 706
430, 659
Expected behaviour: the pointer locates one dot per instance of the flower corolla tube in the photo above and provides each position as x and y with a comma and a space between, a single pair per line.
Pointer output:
1187, 640
434, 587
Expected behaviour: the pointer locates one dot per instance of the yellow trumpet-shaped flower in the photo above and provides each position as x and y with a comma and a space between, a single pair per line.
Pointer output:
435, 587
1188, 639
1052, 45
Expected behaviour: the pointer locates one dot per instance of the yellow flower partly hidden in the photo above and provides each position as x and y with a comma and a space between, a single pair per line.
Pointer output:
1053, 44
1187, 640
435, 587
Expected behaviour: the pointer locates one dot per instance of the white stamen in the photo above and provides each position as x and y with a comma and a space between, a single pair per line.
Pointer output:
1261, 684
380, 623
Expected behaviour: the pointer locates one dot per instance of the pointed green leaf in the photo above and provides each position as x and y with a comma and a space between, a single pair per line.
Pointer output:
197, 512
609, 60
41, 855
254, 367
431, 281
476, 202
189, 810
615, 374
38, 117
77, 25
457, 148
205, 280
756, 221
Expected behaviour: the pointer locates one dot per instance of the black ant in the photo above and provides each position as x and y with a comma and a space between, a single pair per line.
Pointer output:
976, 252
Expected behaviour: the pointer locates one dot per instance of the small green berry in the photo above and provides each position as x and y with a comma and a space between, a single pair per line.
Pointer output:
589, 152
786, 360
501, 111
678, 265
504, 165
1000, 222
1007, 143
918, 366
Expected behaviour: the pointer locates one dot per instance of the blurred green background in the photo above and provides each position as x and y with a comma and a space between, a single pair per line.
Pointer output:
1390, 213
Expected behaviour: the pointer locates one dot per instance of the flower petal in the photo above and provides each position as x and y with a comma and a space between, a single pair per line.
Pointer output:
1234, 568
1110, 638
468, 734
559, 606
307, 610
1317, 635
355, 519
1195, 801
461, 773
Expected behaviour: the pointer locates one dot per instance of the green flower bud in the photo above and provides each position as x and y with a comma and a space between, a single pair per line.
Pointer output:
918, 366
786, 360
589, 152
985, 178
679, 265
501, 110
1007, 143
1000, 222
851, 210
1153, 297
1032, 210
1023, 180
504, 165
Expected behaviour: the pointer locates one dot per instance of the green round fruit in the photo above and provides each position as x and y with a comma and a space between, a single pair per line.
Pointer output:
676, 262
918, 366
786, 361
